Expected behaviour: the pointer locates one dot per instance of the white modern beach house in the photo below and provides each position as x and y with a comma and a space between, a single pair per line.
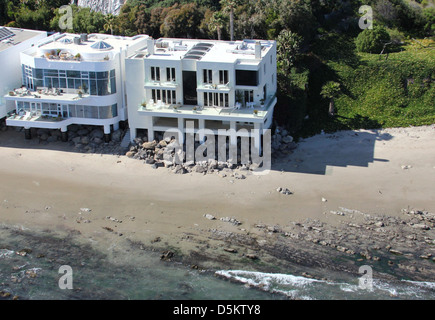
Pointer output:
183, 85
12, 42
72, 79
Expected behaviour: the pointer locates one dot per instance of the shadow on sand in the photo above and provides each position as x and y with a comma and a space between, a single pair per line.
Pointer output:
315, 155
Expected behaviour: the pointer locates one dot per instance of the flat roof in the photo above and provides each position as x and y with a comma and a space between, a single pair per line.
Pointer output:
204, 50
92, 45
13, 36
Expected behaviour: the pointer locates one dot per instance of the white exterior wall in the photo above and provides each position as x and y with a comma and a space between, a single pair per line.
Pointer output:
10, 75
139, 87
117, 58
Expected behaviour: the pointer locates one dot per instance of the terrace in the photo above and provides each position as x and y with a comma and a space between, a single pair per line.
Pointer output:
251, 112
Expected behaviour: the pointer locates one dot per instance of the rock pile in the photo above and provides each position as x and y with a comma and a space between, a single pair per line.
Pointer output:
86, 139
168, 153
282, 143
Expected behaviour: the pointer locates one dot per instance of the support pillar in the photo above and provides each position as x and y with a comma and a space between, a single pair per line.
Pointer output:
256, 135
181, 131
27, 134
107, 133
64, 134
201, 127
233, 143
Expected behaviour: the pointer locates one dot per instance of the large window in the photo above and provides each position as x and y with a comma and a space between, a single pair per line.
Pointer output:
93, 112
94, 83
166, 96
170, 74
223, 76
208, 76
155, 73
214, 99
246, 78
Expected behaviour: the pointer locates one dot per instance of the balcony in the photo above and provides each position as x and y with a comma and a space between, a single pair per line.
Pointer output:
214, 87
24, 94
153, 84
253, 113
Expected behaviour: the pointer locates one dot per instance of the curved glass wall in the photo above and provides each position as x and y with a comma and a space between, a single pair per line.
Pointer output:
94, 83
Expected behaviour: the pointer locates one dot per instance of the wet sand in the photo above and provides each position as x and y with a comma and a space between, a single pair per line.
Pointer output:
374, 172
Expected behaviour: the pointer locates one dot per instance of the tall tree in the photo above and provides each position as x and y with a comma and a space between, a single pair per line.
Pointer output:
229, 6
217, 23
110, 20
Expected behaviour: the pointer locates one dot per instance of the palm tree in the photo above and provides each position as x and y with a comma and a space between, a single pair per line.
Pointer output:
229, 6
217, 22
110, 21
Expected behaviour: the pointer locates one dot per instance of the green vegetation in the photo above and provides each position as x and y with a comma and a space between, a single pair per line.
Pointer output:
385, 76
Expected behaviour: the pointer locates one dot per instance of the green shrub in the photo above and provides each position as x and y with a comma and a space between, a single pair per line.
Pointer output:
372, 40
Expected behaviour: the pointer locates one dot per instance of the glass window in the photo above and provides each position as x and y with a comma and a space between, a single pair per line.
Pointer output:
72, 111
112, 85
155, 73
51, 73
103, 75
170, 74
223, 76
102, 87
246, 78
38, 73
115, 110
93, 87
208, 76
62, 83
91, 112
73, 74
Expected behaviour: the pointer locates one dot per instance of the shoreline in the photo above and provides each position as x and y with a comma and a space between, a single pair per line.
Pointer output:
338, 181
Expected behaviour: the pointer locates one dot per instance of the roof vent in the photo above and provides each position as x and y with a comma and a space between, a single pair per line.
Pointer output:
77, 40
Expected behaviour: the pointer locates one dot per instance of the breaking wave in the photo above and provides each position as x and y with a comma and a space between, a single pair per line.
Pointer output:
303, 288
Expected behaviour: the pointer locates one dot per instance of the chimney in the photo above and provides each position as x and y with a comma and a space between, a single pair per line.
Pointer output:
257, 50
150, 46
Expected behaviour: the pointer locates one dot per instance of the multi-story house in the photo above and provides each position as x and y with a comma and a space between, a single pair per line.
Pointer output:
215, 85
73, 79
12, 42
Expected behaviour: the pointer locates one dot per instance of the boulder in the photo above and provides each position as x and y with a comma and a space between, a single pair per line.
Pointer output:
149, 145
83, 132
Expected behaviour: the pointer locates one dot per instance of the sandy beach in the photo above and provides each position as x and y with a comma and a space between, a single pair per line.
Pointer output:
336, 180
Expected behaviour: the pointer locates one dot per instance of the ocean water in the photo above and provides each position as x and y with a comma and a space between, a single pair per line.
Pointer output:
30, 262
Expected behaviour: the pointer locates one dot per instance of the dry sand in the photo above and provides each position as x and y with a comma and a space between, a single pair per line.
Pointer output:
45, 187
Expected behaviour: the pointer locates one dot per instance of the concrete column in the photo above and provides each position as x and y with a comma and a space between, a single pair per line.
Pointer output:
116, 126
107, 133
201, 127
150, 134
181, 131
27, 134
133, 134
64, 132
256, 135
233, 133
